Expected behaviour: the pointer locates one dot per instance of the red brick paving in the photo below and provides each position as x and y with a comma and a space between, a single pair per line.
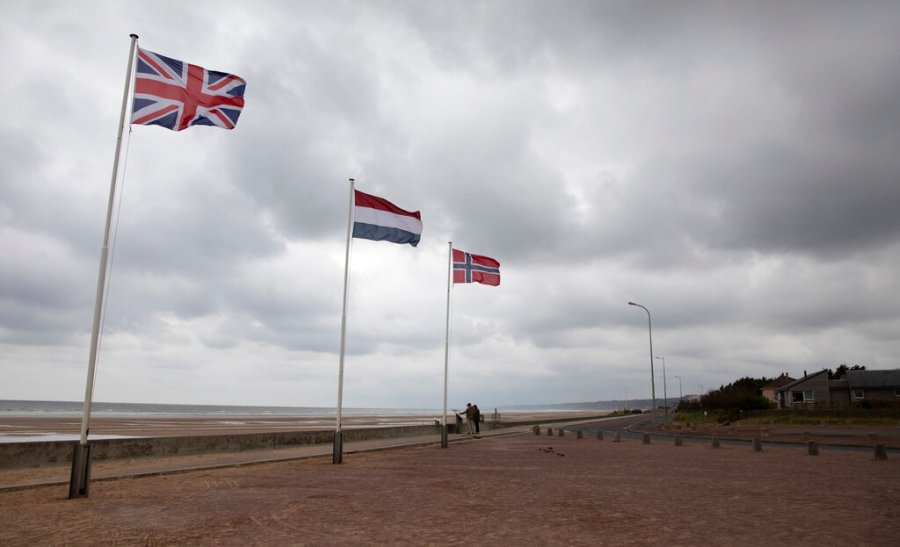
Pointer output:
516, 490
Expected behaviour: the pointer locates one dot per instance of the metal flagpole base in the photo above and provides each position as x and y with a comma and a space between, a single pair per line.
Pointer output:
444, 436
338, 455
81, 471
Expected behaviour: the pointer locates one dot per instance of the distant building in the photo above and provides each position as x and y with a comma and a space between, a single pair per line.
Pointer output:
770, 391
866, 385
807, 392
818, 391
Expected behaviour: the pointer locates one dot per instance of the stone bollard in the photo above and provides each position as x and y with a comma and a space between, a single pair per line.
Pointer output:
599, 435
812, 448
757, 444
880, 452
678, 441
536, 430
549, 431
579, 434
562, 432
646, 438
715, 442
617, 438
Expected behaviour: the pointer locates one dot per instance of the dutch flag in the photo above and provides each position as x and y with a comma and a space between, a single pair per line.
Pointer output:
380, 220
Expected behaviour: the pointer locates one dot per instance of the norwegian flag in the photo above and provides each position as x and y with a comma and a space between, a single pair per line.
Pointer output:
177, 95
469, 268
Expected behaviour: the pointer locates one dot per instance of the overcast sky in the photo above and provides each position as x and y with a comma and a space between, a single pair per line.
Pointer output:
735, 169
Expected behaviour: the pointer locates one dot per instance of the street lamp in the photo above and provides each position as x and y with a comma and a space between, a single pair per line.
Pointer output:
652, 381
680, 393
665, 395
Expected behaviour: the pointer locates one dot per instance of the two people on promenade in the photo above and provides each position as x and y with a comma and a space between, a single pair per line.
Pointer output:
473, 419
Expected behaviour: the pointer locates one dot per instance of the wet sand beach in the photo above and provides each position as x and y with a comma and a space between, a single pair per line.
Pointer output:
517, 489
42, 427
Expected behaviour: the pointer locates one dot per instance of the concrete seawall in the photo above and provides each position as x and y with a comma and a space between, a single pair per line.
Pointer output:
42, 454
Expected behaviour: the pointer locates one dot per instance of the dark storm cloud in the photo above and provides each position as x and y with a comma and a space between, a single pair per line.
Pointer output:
787, 202
782, 192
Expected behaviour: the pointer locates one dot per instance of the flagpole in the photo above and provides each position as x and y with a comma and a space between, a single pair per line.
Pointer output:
338, 452
447, 341
81, 458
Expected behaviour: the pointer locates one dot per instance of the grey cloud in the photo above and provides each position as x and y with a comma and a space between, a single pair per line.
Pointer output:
791, 201
731, 167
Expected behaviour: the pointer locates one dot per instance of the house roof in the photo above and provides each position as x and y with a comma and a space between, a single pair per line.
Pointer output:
782, 380
801, 380
858, 379
840, 383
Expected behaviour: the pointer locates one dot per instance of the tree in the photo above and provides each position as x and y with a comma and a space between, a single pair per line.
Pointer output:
841, 371
742, 395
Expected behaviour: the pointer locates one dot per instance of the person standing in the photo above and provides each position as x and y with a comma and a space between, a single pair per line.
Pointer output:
477, 419
470, 418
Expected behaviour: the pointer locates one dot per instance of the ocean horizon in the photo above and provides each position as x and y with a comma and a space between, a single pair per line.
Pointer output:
123, 410
68, 409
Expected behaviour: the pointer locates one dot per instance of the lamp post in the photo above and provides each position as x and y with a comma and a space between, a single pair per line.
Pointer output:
652, 381
680, 393
665, 394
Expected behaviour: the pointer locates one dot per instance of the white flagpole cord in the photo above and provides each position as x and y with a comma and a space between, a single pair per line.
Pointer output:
338, 440
115, 234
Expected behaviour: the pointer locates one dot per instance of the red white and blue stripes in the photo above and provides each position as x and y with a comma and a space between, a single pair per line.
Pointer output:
380, 220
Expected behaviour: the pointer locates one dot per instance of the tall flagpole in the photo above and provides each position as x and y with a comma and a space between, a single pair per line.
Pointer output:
447, 341
338, 452
81, 458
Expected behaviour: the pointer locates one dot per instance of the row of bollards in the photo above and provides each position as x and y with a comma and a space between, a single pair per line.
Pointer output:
812, 448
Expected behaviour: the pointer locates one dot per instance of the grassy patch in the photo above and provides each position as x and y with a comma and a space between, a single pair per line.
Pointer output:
830, 420
696, 417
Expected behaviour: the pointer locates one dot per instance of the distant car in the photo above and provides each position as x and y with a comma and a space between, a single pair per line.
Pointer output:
637, 411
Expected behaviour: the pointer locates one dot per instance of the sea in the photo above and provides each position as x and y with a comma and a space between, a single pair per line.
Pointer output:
72, 409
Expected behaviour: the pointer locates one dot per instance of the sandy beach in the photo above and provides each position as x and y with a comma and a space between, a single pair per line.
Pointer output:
46, 427
506, 489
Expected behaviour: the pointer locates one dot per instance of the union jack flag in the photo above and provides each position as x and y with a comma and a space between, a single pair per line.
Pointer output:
469, 268
177, 95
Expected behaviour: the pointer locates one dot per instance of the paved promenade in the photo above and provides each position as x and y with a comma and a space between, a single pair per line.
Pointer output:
502, 489
17, 479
